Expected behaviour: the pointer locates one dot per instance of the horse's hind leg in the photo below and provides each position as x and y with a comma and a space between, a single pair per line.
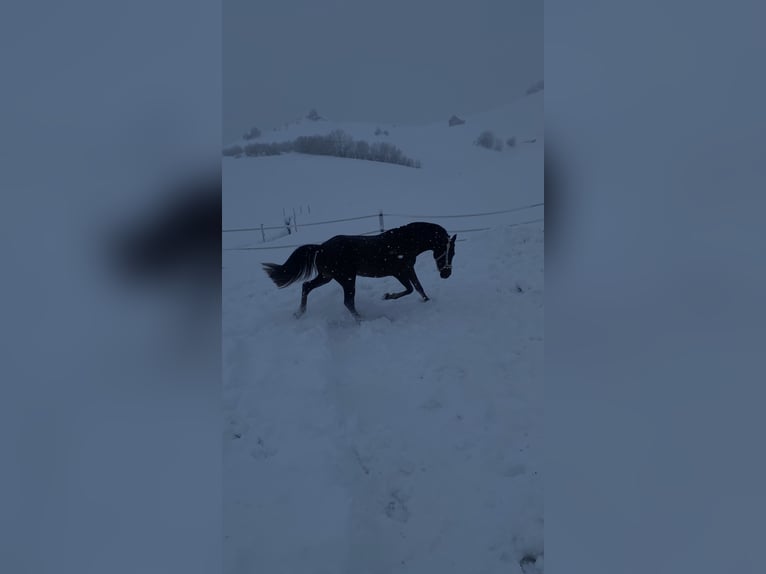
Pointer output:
308, 287
404, 280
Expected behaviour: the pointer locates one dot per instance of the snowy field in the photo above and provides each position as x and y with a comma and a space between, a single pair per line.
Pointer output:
412, 442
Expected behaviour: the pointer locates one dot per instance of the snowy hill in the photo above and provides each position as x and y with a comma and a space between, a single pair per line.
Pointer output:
411, 442
520, 118
457, 176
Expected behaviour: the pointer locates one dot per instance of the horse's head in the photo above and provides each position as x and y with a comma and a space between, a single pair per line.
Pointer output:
443, 255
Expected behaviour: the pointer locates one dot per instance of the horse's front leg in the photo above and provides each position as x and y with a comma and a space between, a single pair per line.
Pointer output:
407, 288
349, 291
414, 278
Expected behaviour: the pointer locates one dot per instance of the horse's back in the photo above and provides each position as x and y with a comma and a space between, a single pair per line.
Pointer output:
341, 242
369, 256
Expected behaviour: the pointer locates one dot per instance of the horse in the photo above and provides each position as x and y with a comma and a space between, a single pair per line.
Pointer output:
343, 257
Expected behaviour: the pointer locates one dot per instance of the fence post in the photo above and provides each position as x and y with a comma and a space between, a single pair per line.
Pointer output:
380, 220
263, 235
309, 209
295, 221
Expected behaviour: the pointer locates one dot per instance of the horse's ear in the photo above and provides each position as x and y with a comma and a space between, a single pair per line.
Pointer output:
452, 239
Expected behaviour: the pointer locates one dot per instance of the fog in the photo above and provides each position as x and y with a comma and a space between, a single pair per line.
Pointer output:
389, 62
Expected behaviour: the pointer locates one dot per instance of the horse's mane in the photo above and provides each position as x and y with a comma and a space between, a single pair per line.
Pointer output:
423, 227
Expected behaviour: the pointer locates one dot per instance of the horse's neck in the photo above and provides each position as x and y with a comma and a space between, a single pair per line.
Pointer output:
425, 243
419, 241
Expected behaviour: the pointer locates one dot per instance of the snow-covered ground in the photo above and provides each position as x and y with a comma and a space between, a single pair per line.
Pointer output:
413, 441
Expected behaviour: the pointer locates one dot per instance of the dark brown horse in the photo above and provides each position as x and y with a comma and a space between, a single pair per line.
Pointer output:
390, 254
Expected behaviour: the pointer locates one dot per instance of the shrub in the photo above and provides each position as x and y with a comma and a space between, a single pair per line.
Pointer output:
538, 86
263, 149
337, 143
488, 140
313, 115
341, 143
361, 150
313, 145
510, 142
455, 121
252, 134
232, 151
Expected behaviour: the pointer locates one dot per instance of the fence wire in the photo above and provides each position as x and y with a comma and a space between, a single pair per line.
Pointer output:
284, 225
378, 232
465, 215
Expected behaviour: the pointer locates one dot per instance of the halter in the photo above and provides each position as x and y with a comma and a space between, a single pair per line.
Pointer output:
446, 252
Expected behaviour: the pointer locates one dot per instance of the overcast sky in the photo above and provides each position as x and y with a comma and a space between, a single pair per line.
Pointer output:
398, 61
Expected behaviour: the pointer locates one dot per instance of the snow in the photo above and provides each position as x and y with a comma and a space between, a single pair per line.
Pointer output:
411, 442
456, 177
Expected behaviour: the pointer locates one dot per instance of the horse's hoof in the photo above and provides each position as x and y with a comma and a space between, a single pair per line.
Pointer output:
298, 314
387, 296
426, 299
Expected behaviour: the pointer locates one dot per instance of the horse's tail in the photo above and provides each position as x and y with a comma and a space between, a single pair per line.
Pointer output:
300, 265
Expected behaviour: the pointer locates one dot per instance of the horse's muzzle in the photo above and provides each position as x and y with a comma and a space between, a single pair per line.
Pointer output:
445, 273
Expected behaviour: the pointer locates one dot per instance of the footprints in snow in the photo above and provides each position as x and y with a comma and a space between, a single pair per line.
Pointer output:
262, 450
531, 563
431, 405
396, 509
396, 502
